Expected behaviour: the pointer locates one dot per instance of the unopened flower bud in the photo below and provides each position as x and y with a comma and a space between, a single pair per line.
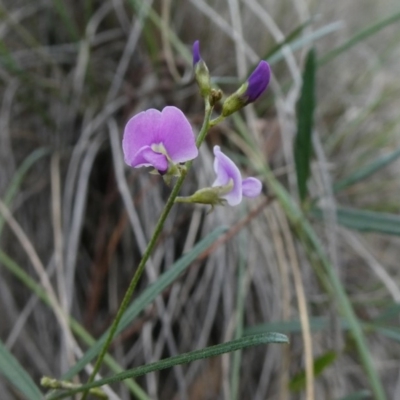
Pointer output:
201, 72
250, 91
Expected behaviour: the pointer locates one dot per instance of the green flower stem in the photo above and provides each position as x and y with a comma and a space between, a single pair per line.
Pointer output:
216, 121
157, 231
329, 277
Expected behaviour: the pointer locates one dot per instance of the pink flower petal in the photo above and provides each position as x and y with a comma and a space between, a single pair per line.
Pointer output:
226, 169
177, 136
147, 157
251, 187
168, 128
141, 130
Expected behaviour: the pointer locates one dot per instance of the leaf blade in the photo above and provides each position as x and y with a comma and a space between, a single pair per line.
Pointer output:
305, 121
17, 376
212, 351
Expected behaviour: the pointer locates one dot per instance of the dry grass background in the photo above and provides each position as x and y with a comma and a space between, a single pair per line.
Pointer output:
67, 90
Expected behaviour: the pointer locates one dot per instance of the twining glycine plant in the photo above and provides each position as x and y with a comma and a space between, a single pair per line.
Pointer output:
164, 140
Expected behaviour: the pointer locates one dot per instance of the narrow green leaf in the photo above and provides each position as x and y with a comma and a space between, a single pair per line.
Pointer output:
390, 312
147, 297
298, 382
287, 42
361, 395
67, 19
367, 171
305, 122
389, 332
212, 351
358, 37
18, 377
304, 41
364, 220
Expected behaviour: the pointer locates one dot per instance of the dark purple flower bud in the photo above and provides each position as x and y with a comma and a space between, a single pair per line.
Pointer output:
196, 52
201, 71
257, 82
250, 91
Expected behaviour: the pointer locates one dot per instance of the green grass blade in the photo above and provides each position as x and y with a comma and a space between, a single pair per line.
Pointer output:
305, 41
147, 297
361, 395
298, 382
288, 40
390, 312
364, 220
305, 121
17, 376
367, 171
68, 21
358, 37
389, 332
212, 351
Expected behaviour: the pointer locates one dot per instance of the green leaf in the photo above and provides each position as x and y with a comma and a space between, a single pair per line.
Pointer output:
18, 377
70, 24
298, 382
288, 40
358, 37
147, 297
389, 332
366, 171
361, 395
212, 351
390, 312
305, 122
365, 221
302, 42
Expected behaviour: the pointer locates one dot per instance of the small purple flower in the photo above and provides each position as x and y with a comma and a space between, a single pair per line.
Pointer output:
257, 82
228, 173
154, 138
196, 52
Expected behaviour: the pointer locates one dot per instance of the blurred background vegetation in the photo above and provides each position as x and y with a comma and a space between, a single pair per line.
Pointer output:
74, 220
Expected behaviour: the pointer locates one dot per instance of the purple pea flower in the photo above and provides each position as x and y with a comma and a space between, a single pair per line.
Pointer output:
250, 91
158, 139
228, 174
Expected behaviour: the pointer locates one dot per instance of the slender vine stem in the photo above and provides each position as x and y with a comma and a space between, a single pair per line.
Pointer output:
146, 255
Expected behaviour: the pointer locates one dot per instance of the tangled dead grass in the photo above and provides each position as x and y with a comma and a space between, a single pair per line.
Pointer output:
88, 218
